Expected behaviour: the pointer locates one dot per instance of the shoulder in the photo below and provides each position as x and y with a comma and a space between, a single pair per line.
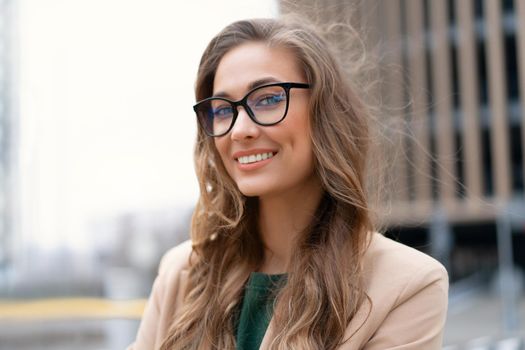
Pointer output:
398, 263
176, 259
165, 297
173, 269
394, 272
407, 297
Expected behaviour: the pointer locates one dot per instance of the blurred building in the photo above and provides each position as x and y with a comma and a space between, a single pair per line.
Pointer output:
449, 86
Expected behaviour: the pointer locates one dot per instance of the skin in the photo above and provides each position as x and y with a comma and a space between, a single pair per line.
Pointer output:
287, 186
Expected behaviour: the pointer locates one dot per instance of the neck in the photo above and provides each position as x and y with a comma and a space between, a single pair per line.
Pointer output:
282, 218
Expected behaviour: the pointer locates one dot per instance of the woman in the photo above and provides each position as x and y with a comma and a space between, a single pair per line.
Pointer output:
283, 253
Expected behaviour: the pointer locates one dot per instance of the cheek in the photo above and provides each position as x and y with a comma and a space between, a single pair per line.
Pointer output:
304, 145
222, 149
299, 149
221, 146
306, 155
300, 128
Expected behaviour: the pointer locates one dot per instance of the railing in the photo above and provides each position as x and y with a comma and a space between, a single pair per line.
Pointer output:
70, 308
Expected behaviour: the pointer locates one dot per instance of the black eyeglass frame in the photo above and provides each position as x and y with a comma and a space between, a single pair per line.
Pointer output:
243, 102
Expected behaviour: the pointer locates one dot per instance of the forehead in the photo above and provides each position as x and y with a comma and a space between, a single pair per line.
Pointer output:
254, 61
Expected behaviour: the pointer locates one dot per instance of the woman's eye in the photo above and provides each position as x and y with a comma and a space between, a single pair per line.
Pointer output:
223, 112
271, 100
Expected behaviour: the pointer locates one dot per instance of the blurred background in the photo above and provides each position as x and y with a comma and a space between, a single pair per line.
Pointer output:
96, 146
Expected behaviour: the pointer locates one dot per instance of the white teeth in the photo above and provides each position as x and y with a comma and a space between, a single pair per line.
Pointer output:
254, 158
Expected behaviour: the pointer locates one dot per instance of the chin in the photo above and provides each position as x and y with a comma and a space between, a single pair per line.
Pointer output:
253, 190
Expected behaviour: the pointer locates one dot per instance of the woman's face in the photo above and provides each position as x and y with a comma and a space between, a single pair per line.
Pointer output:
291, 168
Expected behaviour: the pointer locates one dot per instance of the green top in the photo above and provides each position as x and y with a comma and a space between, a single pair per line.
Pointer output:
257, 309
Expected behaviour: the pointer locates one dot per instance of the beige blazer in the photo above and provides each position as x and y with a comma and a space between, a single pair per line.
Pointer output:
408, 292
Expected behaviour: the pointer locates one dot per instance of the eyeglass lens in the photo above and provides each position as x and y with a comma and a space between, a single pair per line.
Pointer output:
267, 105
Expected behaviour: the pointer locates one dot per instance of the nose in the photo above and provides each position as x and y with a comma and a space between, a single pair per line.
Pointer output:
244, 127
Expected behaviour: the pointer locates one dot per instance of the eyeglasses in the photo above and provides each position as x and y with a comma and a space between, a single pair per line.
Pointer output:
266, 105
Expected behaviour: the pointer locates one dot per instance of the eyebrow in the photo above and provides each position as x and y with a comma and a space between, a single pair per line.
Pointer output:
251, 86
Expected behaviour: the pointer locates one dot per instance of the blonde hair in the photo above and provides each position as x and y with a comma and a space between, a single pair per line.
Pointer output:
324, 288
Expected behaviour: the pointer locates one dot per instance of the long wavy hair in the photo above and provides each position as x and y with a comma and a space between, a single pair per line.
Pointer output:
324, 288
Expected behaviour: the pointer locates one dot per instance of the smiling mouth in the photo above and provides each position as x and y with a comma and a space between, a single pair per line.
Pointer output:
254, 158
